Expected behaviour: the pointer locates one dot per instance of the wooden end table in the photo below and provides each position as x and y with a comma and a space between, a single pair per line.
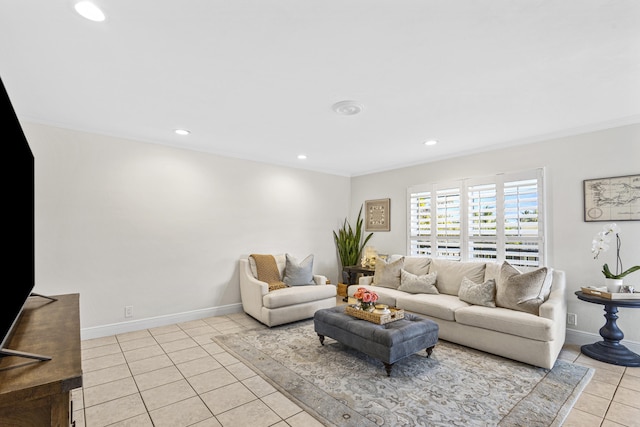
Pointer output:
351, 272
610, 350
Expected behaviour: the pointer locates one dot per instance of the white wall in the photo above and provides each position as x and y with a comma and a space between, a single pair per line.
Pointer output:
130, 223
161, 229
568, 161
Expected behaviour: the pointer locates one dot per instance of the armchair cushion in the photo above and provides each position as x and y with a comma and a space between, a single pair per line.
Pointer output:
298, 273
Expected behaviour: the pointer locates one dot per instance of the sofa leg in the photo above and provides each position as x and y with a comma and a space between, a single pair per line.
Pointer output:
321, 339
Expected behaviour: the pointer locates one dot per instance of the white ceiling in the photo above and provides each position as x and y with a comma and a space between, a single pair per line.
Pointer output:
256, 79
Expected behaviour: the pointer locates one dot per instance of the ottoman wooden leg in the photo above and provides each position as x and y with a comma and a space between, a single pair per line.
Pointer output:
387, 367
321, 339
430, 350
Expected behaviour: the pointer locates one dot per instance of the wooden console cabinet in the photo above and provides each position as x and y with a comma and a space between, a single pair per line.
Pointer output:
37, 393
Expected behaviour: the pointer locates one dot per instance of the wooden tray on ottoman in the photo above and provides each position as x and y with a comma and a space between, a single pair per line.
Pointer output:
380, 319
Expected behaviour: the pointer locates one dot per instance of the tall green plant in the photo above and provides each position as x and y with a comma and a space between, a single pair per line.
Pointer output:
349, 241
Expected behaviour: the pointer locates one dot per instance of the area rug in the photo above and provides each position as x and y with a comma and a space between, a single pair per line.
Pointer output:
456, 386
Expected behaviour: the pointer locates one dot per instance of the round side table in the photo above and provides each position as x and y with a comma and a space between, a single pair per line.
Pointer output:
610, 350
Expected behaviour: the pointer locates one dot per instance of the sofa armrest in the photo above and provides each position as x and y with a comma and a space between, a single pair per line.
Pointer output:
555, 307
251, 290
365, 280
319, 279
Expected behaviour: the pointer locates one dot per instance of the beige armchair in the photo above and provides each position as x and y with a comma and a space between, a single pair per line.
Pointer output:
285, 305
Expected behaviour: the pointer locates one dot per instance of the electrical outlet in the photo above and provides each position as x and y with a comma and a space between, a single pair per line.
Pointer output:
572, 319
128, 311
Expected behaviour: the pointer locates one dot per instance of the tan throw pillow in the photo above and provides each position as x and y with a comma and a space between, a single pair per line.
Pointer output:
478, 293
521, 291
387, 275
414, 284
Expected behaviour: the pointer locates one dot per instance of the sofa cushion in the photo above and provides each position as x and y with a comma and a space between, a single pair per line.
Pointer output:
417, 265
387, 274
414, 284
507, 321
522, 291
478, 293
450, 274
492, 271
295, 295
298, 273
439, 306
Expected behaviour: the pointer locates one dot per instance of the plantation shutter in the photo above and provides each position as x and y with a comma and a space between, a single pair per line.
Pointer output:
448, 223
420, 223
492, 218
522, 221
482, 217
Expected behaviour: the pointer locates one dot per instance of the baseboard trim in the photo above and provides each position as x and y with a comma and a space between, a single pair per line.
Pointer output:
581, 338
154, 322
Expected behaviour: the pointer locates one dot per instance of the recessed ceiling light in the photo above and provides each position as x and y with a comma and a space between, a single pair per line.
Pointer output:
431, 142
182, 131
90, 11
347, 108
302, 156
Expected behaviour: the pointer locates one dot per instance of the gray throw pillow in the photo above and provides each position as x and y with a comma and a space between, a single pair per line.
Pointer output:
521, 291
387, 274
298, 273
414, 284
478, 293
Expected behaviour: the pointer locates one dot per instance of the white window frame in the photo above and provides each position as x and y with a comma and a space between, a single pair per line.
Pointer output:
430, 240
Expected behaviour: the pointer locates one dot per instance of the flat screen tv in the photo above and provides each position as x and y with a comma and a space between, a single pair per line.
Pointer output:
19, 232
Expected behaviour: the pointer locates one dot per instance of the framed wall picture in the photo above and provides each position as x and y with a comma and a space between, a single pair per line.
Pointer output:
612, 199
377, 215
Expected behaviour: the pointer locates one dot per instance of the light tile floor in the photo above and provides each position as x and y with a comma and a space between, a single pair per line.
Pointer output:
177, 376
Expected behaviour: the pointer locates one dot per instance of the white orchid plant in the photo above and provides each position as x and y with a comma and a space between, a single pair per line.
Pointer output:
601, 244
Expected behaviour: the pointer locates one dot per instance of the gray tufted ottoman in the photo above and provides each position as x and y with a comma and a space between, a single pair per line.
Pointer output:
389, 342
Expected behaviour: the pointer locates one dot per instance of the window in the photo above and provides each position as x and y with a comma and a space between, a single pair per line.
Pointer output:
493, 218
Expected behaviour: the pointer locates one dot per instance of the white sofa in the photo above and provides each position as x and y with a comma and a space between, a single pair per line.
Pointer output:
283, 305
519, 335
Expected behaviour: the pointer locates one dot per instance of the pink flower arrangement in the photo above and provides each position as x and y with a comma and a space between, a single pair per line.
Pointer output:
366, 297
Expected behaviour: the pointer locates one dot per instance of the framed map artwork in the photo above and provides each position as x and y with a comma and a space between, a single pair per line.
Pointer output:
376, 215
612, 199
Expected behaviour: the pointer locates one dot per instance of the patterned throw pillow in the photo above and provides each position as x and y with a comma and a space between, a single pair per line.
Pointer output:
522, 291
414, 284
298, 273
387, 274
478, 293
